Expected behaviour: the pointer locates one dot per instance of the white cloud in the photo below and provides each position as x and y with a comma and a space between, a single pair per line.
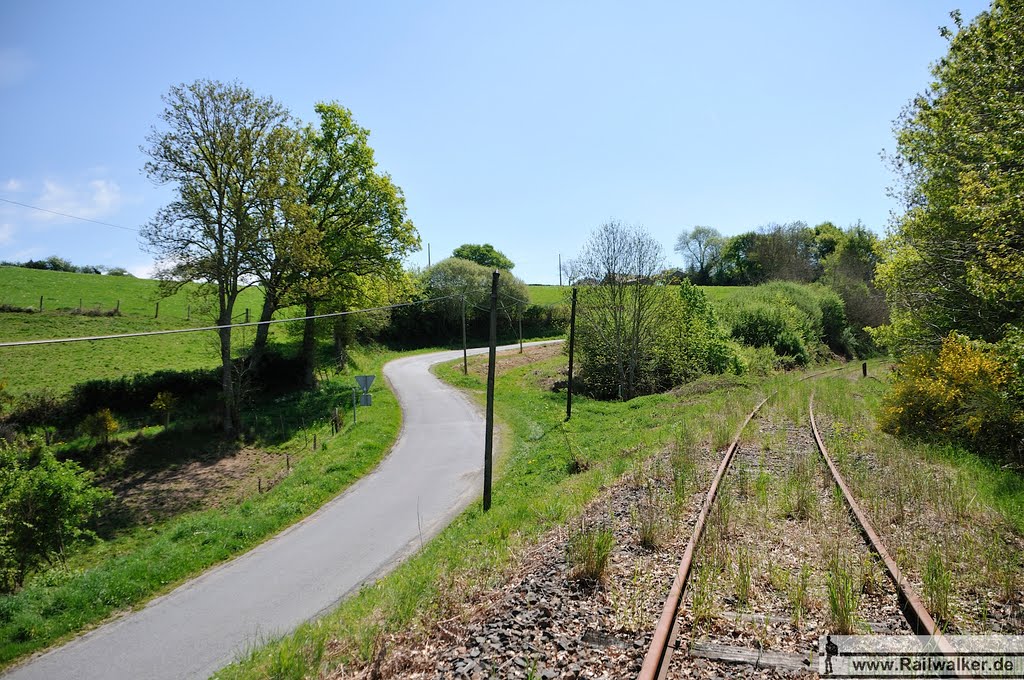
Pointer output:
6, 233
14, 66
13, 185
142, 271
99, 198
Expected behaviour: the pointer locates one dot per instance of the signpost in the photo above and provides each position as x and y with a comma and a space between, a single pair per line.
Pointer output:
364, 382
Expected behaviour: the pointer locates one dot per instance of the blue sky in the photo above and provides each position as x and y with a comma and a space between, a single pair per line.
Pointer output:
524, 124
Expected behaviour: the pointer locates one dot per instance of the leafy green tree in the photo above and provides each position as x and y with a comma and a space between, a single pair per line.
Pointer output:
701, 248
465, 279
485, 255
218, 150
738, 265
354, 226
786, 252
163, 404
101, 425
849, 270
957, 260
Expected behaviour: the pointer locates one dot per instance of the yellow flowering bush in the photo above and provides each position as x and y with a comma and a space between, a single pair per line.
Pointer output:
967, 390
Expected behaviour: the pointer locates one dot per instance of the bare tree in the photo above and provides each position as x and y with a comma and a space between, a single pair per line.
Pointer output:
701, 248
617, 318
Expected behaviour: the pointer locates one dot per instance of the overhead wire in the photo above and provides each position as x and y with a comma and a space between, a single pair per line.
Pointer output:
62, 214
142, 334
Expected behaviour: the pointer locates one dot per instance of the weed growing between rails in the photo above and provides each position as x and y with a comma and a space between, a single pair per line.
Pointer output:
766, 574
956, 521
469, 582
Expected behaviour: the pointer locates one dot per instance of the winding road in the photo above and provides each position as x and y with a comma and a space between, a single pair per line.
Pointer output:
433, 472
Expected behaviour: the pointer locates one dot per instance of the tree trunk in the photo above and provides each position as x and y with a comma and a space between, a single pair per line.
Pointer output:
226, 378
259, 346
309, 347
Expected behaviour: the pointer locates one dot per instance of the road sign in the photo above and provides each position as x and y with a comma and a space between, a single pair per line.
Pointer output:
364, 382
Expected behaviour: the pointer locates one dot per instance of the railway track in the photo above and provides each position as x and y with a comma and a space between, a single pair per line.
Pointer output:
834, 505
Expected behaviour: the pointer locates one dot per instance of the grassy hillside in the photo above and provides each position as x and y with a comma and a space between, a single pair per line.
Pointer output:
548, 295
58, 367
718, 295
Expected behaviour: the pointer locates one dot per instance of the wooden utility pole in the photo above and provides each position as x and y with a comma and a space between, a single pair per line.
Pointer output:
572, 345
465, 358
428, 254
489, 427
559, 270
520, 328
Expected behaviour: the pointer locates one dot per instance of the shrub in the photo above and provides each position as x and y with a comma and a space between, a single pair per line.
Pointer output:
101, 425
774, 326
969, 391
799, 321
685, 343
45, 507
164, 402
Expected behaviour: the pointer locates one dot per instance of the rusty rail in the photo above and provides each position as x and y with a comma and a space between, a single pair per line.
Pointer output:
660, 652
910, 603
658, 655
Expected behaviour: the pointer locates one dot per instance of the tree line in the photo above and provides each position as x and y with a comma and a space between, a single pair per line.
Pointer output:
844, 260
59, 264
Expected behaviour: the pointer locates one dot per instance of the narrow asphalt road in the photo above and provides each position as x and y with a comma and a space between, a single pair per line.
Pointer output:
431, 474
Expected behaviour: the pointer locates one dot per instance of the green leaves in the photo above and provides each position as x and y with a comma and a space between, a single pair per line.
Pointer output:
45, 506
958, 252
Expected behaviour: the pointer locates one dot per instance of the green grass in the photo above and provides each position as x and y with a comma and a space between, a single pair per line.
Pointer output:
533, 491
63, 290
719, 296
58, 367
148, 560
723, 296
998, 487
549, 295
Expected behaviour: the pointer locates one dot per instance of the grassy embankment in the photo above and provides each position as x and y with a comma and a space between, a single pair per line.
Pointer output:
534, 491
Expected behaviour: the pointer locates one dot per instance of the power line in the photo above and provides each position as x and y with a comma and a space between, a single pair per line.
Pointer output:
74, 217
143, 334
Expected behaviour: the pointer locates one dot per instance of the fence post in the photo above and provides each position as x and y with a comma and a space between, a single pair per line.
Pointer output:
188, 314
247, 315
489, 427
40, 303
864, 368
465, 360
157, 315
79, 305
117, 309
